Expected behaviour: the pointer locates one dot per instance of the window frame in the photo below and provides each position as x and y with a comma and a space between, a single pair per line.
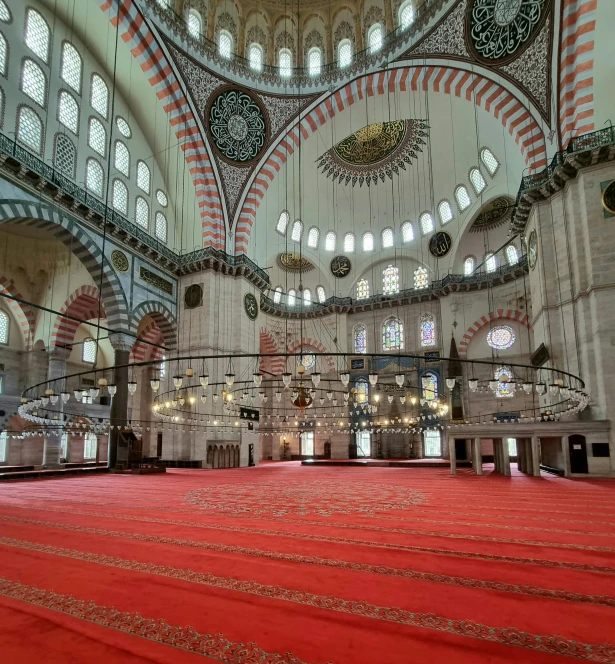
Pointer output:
229, 36
65, 136
296, 224
458, 188
482, 159
359, 283
8, 11
342, 44
25, 60
194, 13
465, 260
257, 47
432, 434
125, 173
62, 93
95, 75
149, 212
407, 224
355, 330
32, 10
85, 345
93, 160
401, 11
20, 109
119, 181
159, 237
286, 214
423, 318
386, 231
277, 295
423, 215
281, 70
372, 29
349, 243
330, 234
5, 314
490, 256
147, 191
321, 289
476, 169
373, 241
313, 51
445, 201
4, 72
291, 298
395, 269
313, 245
78, 90
385, 323
92, 120
507, 250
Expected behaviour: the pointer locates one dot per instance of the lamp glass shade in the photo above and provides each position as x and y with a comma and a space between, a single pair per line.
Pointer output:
177, 381
345, 378
399, 379
450, 383
278, 396
286, 378
65, 396
257, 378
204, 380
53, 398
155, 384
473, 384
316, 379
229, 378
527, 387
373, 378
112, 389
132, 386
541, 388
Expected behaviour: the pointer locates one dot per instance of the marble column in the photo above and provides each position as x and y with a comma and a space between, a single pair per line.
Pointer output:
452, 455
505, 457
56, 371
122, 345
566, 455
478, 456
535, 456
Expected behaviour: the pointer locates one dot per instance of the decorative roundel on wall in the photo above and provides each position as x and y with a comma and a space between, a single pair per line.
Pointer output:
532, 249
340, 267
119, 261
250, 305
497, 31
237, 125
440, 244
501, 337
193, 297
608, 198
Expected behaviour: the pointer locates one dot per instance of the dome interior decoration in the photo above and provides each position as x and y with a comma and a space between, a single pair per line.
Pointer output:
493, 214
293, 262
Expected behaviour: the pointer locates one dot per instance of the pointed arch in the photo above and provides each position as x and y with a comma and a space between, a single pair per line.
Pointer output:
145, 347
272, 365
23, 312
161, 315
84, 304
507, 314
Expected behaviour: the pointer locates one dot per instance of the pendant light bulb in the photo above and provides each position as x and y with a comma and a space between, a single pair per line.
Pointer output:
286, 378
450, 383
229, 379
258, 379
112, 389
345, 378
399, 379
132, 386
316, 379
541, 388
473, 384
65, 396
373, 378
155, 384
177, 381
204, 380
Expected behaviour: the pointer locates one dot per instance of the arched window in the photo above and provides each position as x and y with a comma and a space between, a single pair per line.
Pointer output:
94, 177
312, 240
277, 295
161, 197
428, 330
38, 34
142, 212
33, 82
65, 155
4, 327
362, 289
344, 53
307, 296
123, 127
282, 224
330, 241
462, 197
143, 177
320, 294
490, 161
5, 14
97, 136
468, 266
374, 38
314, 61
4, 55
491, 262
291, 298
122, 158
421, 278
225, 44
388, 238
256, 57
392, 334
195, 24
426, 222
432, 443
349, 242
477, 180
407, 232
512, 255
368, 241
360, 339
362, 391
390, 280
71, 67
429, 383
120, 197
160, 227
505, 377
285, 62
30, 129
445, 212
88, 351
406, 15
297, 230
68, 111
99, 96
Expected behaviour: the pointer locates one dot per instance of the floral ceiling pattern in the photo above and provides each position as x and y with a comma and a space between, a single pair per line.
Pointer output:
375, 152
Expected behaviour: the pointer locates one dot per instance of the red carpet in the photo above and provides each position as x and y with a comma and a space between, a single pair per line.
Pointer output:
284, 563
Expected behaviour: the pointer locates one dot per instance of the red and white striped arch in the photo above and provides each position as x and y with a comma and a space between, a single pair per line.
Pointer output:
85, 304
22, 312
576, 77
267, 346
312, 345
126, 17
145, 347
474, 87
503, 314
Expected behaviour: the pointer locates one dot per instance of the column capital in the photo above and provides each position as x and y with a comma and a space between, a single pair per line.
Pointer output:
121, 341
58, 353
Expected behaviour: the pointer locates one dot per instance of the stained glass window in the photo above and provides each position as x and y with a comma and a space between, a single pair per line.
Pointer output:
285, 63
374, 38
161, 227
426, 221
462, 197
308, 360
277, 295
407, 232
142, 212
349, 243
491, 262
65, 157
320, 294
429, 381
501, 337
194, 23
291, 298
68, 111
282, 224
477, 180
330, 241
312, 240
99, 95
362, 388
122, 158
71, 66
388, 238
143, 176
225, 44
392, 334
38, 34
368, 241
468, 265
297, 230
360, 339
504, 376
421, 278
314, 61
4, 328
445, 211
428, 331
97, 136
88, 352
362, 289
33, 82
344, 53
406, 15
30, 129
94, 177
390, 280
120, 197
512, 255
490, 161
433, 443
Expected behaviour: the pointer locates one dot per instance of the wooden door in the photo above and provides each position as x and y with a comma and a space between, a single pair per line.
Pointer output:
578, 454
159, 445
461, 453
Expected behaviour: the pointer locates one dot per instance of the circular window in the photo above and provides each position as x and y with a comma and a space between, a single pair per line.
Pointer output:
308, 360
501, 337
193, 297
162, 198
123, 127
